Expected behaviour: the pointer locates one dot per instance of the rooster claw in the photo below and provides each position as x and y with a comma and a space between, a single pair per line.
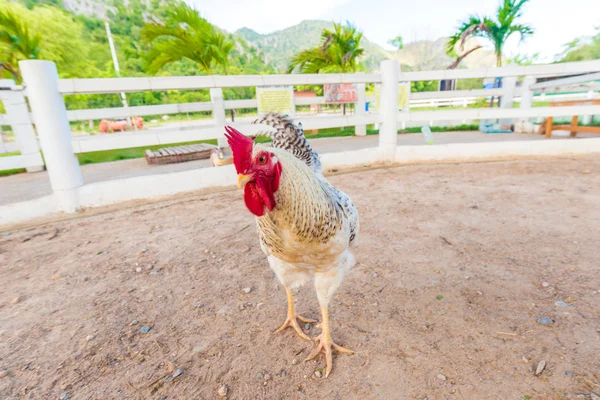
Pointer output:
326, 345
291, 321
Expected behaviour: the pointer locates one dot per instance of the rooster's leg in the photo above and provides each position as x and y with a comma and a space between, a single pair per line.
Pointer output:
326, 285
291, 317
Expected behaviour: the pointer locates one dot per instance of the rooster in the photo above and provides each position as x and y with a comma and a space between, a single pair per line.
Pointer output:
306, 227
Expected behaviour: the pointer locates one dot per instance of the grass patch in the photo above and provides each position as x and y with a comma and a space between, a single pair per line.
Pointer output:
8, 172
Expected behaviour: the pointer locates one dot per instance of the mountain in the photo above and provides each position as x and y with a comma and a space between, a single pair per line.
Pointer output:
279, 47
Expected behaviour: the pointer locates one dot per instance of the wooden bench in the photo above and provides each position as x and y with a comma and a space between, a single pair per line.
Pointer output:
547, 126
179, 154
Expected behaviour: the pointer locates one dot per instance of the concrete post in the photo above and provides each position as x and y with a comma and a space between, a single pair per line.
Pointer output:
360, 108
509, 87
52, 125
216, 96
18, 114
388, 131
587, 119
526, 95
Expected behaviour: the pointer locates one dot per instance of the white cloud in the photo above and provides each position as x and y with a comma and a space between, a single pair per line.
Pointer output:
263, 16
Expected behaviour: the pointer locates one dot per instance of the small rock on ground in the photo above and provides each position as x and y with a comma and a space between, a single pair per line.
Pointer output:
545, 284
247, 289
178, 372
223, 391
89, 337
442, 377
545, 321
17, 300
318, 374
3, 374
540, 367
145, 329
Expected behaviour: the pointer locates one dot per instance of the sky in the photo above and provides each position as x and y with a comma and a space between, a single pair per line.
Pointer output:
556, 22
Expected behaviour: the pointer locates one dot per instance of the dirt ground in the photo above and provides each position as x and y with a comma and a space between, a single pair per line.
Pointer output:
456, 265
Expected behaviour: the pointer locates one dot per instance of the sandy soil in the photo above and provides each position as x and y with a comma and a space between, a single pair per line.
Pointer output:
457, 264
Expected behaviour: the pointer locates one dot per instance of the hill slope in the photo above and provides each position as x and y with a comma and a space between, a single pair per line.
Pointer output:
279, 47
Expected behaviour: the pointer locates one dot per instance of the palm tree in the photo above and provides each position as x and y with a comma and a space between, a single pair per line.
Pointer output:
16, 43
338, 52
185, 34
497, 31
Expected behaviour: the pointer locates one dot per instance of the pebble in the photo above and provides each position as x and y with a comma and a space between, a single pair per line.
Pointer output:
294, 361
65, 396
587, 171
545, 321
17, 300
155, 272
259, 305
3, 374
442, 377
318, 374
265, 383
540, 367
169, 378
55, 277
178, 372
260, 375
267, 377
149, 267
247, 290
223, 391
89, 337
134, 322
224, 310
545, 284
569, 373
144, 250
561, 303
138, 269
283, 374
146, 328
307, 326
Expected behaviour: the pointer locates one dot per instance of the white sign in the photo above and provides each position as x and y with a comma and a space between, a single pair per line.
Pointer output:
278, 99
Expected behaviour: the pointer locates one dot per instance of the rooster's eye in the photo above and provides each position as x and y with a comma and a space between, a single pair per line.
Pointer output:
262, 160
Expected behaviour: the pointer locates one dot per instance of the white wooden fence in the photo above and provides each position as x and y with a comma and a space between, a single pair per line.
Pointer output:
45, 92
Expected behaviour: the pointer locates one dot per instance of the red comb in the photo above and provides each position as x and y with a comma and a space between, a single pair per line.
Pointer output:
241, 147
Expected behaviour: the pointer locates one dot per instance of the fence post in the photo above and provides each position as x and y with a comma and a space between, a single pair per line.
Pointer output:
388, 131
54, 131
360, 108
18, 115
526, 94
509, 86
216, 96
587, 119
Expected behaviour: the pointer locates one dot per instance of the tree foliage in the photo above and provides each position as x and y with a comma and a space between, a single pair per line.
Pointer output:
497, 30
17, 42
397, 42
338, 51
582, 49
183, 33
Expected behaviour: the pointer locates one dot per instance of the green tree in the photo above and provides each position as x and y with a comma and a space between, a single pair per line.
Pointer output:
46, 33
183, 33
338, 51
582, 49
17, 42
496, 30
397, 42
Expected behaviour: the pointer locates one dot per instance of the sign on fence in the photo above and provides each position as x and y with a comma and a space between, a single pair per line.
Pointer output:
279, 99
403, 94
340, 93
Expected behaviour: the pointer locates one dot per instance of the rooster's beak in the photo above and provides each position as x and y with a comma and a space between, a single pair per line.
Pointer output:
243, 180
